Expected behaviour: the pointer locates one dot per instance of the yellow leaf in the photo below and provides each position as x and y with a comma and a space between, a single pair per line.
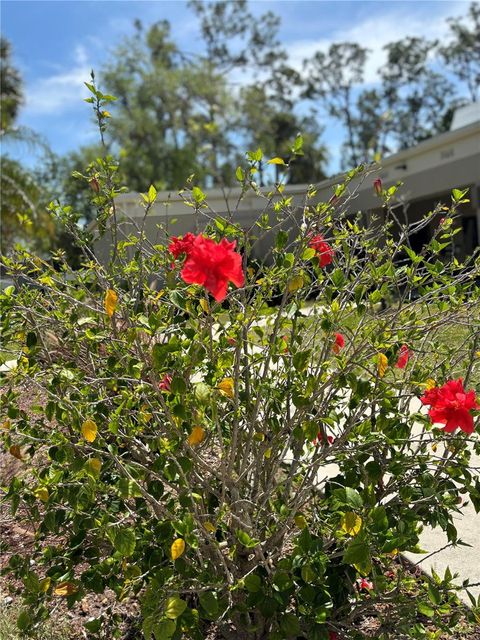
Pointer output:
277, 161
89, 430
15, 451
226, 386
196, 436
295, 283
6, 424
177, 548
95, 465
65, 589
430, 384
45, 584
204, 304
382, 364
42, 493
300, 521
110, 302
210, 527
267, 454
46, 280
434, 447
351, 523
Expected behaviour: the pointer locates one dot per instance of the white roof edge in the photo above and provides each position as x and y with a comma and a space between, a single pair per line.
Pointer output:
431, 143
230, 192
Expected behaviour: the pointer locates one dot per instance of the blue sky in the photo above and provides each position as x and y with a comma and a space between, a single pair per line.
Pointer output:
56, 43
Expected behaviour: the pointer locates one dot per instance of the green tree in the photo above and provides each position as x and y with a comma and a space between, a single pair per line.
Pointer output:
269, 121
370, 126
11, 92
23, 214
175, 113
420, 98
234, 37
332, 79
461, 53
154, 113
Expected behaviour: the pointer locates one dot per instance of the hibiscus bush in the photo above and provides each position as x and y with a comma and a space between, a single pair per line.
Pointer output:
234, 466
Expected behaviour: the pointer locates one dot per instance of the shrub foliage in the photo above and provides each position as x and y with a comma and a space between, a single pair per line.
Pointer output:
225, 460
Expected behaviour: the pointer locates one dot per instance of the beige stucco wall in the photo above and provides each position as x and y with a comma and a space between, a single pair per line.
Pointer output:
432, 168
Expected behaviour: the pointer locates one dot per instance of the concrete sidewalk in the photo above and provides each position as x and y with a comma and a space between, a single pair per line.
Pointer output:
460, 559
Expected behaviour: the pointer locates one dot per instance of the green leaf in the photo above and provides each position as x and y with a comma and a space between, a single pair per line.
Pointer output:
300, 359
198, 195
308, 254
458, 194
152, 194
164, 630
246, 540
24, 620
281, 240
209, 602
240, 174
93, 625
282, 581
379, 518
124, 541
308, 574
298, 145
178, 385
288, 260
174, 607
434, 594
290, 625
349, 497
356, 552
338, 278
253, 583
426, 610
128, 488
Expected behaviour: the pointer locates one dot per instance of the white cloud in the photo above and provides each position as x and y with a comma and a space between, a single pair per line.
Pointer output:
57, 93
374, 33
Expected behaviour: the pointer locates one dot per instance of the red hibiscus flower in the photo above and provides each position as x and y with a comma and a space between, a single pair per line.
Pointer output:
319, 439
212, 265
164, 384
363, 583
339, 343
323, 250
178, 246
403, 356
451, 405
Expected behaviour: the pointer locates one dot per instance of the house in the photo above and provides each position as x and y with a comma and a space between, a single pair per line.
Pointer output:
429, 171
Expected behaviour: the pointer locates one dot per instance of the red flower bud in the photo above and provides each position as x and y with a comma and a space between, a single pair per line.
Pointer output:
377, 185
164, 384
94, 185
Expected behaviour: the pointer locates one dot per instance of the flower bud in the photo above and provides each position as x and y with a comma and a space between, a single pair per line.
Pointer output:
377, 185
94, 185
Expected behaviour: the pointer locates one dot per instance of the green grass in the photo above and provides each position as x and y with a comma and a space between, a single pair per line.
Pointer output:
51, 630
